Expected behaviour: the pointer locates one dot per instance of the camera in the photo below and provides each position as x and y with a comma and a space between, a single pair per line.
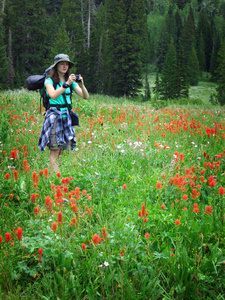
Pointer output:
77, 78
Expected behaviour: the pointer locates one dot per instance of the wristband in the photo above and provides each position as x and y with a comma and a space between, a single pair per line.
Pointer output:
65, 85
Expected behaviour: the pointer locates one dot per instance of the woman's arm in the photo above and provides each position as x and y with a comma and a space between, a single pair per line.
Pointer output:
52, 92
81, 90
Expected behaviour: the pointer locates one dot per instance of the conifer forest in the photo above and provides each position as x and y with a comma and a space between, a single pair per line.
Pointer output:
115, 44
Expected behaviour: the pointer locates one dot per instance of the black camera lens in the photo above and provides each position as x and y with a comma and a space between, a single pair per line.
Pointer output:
78, 78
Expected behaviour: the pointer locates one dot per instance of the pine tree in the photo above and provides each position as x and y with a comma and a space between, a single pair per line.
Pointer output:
178, 28
223, 31
52, 5
171, 23
162, 45
30, 37
126, 38
222, 9
168, 78
136, 44
201, 54
181, 3
188, 35
199, 4
193, 68
182, 86
62, 43
221, 76
214, 57
204, 28
173, 81
72, 13
114, 47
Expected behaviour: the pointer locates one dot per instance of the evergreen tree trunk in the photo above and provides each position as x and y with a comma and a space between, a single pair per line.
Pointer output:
3, 56
89, 24
147, 96
95, 68
11, 73
3, 6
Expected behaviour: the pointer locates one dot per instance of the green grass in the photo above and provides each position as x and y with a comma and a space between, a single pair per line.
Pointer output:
133, 166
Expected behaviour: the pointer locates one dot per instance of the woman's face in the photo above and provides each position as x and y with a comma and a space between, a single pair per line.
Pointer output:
63, 67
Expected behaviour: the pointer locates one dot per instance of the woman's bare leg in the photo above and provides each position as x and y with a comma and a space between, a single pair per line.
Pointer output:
54, 154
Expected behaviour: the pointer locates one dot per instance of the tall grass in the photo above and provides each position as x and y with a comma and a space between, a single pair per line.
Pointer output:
136, 211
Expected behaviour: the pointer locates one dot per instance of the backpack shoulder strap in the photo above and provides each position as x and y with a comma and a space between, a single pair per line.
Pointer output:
71, 91
54, 84
69, 106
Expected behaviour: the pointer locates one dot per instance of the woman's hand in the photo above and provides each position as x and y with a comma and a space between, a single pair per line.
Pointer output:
72, 78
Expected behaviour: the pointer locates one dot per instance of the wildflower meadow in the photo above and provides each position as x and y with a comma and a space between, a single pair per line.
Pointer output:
135, 212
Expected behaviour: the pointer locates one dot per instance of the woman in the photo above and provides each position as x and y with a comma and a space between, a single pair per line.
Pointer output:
57, 132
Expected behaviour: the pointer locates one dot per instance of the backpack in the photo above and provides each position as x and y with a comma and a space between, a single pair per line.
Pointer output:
36, 82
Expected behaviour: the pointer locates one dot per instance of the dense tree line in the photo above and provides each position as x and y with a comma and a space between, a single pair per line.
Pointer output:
196, 29
115, 43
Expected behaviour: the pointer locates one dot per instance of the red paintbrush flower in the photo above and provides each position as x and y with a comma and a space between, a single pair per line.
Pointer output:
208, 210
54, 226
7, 176
159, 185
15, 174
59, 217
8, 237
177, 222
95, 239
19, 233
221, 190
